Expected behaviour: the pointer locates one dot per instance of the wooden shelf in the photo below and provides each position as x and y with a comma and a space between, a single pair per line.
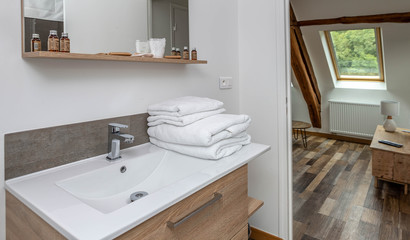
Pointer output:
253, 205
81, 56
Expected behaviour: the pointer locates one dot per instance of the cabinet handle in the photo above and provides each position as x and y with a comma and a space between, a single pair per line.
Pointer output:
216, 197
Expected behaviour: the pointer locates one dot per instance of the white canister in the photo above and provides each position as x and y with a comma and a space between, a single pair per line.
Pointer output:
142, 47
157, 46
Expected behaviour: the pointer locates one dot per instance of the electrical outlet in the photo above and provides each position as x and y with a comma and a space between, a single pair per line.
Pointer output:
225, 82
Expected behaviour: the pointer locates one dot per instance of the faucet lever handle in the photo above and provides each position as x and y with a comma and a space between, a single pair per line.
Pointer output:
128, 138
115, 127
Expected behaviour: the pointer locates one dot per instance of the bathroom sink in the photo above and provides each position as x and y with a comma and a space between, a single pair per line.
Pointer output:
90, 199
109, 188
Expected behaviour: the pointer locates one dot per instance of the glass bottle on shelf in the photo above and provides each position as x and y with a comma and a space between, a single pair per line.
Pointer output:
53, 42
64, 43
35, 43
185, 53
194, 54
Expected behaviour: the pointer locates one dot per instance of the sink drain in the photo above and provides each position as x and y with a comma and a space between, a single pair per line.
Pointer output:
137, 195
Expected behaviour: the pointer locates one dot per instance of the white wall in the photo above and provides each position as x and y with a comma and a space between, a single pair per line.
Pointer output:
105, 26
396, 42
263, 81
37, 93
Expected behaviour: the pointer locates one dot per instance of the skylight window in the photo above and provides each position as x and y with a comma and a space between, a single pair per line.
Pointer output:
356, 54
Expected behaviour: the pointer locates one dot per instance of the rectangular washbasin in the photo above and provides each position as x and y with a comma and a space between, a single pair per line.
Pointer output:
90, 199
109, 188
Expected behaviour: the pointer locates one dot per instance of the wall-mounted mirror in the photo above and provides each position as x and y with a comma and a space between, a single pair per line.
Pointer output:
95, 26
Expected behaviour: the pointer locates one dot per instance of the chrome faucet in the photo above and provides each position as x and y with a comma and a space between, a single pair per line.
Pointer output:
114, 140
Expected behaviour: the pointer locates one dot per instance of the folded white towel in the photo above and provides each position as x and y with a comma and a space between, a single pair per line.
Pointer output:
204, 132
183, 120
184, 105
218, 150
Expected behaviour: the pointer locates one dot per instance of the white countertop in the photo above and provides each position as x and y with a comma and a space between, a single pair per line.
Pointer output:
76, 220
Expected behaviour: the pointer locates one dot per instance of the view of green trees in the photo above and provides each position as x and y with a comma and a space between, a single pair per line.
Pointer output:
356, 52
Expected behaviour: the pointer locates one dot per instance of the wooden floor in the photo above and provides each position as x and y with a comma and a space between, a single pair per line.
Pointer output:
334, 195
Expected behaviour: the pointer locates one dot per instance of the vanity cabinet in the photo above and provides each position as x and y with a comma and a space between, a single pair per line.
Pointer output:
219, 211
225, 218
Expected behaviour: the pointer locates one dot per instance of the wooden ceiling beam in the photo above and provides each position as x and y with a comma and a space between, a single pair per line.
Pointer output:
303, 70
379, 18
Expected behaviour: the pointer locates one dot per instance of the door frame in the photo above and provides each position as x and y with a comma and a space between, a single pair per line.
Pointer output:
172, 6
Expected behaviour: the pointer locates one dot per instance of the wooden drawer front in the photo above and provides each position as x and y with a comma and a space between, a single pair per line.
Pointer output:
401, 168
382, 164
219, 221
242, 234
23, 223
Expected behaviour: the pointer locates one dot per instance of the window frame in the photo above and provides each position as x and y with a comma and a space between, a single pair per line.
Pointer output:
356, 78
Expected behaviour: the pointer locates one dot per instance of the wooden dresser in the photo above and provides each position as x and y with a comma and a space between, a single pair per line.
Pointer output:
390, 163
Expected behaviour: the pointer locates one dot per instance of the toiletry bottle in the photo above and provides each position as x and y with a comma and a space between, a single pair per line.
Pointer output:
64, 43
194, 54
173, 52
178, 52
186, 53
35, 43
53, 41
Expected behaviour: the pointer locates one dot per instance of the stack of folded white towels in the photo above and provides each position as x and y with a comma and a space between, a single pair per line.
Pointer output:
196, 126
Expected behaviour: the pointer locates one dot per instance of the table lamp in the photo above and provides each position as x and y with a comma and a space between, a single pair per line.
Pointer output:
389, 108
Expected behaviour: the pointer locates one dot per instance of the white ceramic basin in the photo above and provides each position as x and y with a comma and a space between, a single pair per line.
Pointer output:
108, 189
89, 199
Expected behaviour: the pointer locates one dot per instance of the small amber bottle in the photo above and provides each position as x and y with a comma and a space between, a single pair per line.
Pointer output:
53, 42
185, 54
194, 54
64, 43
173, 52
178, 52
35, 43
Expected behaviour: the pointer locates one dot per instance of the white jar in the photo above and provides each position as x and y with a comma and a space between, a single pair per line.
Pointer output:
142, 47
157, 46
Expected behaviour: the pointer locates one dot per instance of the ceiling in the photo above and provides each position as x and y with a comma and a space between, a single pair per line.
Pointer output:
323, 9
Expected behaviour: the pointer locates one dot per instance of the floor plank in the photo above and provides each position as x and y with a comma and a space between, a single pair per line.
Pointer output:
334, 195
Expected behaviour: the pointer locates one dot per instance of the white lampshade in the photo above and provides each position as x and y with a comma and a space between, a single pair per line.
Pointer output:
389, 108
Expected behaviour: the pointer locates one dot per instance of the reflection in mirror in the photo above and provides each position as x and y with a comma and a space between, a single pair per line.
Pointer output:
41, 16
107, 26
176, 31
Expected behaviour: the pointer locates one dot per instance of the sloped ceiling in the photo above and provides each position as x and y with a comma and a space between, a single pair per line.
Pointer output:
323, 9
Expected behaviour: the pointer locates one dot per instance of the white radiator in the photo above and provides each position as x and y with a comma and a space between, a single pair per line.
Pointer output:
359, 119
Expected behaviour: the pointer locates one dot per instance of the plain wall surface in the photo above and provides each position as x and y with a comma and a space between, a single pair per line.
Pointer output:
39, 93
396, 43
263, 95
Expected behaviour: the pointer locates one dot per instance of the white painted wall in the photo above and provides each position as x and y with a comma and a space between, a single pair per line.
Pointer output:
37, 93
105, 26
263, 82
396, 42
